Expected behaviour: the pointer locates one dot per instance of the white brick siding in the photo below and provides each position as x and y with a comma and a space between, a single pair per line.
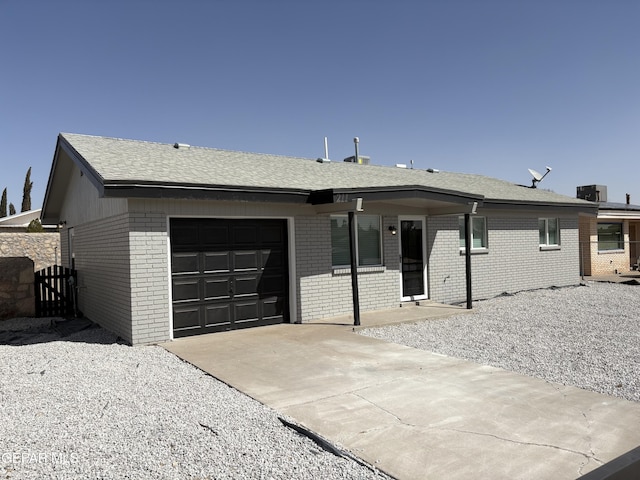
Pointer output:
123, 269
446, 270
325, 292
150, 309
102, 259
513, 262
122, 275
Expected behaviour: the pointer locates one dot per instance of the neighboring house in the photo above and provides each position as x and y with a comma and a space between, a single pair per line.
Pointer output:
610, 243
174, 240
19, 221
42, 247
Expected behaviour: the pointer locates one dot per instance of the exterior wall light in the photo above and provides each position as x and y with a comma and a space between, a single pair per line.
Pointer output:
393, 229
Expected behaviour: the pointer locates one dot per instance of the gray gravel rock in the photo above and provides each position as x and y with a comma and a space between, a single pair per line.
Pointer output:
81, 405
586, 336
84, 406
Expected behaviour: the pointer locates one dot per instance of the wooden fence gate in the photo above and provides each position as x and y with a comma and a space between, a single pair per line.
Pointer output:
55, 292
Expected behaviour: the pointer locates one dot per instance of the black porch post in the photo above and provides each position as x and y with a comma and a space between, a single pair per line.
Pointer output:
467, 257
354, 268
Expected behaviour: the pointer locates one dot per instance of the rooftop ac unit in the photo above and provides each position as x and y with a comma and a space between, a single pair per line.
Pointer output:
593, 193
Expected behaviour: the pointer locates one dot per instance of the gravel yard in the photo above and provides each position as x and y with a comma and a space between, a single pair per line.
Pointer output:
88, 407
586, 336
85, 406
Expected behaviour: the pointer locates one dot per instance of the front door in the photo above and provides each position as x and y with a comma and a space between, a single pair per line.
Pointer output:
412, 259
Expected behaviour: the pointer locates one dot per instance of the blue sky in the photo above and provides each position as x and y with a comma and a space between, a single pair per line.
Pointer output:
490, 87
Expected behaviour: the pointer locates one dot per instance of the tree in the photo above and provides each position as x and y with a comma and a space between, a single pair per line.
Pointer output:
12, 209
35, 226
26, 192
3, 204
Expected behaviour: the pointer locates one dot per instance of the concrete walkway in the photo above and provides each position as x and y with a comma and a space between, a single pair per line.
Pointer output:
632, 277
415, 414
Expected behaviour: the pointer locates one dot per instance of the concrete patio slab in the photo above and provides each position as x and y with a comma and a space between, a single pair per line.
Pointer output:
632, 278
415, 414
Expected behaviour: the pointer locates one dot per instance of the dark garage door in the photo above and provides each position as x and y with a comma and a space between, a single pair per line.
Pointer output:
228, 274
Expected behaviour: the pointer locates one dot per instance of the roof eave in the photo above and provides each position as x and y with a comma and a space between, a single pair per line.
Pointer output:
47, 193
62, 145
344, 195
618, 215
565, 207
203, 192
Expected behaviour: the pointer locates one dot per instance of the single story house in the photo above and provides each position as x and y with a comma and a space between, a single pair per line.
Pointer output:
16, 241
19, 222
172, 240
610, 243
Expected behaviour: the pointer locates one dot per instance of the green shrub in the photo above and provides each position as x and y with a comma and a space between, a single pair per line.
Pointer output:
35, 226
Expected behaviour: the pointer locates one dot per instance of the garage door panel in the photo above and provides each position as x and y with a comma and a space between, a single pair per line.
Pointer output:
273, 258
272, 284
272, 234
217, 262
212, 233
183, 234
228, 274
185, 262
186, 318
243, 235
187, 289
246, 311
272, 308
217, 289
246, 285
245, 260
218, 315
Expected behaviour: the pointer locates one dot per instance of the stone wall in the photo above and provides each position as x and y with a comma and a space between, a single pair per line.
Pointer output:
17, 291
42, 248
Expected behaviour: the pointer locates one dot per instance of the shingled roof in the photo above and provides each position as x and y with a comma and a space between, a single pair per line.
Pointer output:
126, 168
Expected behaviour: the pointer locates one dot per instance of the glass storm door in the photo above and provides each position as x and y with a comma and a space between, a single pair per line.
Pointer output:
412, 259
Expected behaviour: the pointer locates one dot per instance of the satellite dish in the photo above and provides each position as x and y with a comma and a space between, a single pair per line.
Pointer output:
537, 176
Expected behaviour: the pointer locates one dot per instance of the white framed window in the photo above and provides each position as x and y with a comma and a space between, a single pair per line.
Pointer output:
368, 240
549, 232
478, 233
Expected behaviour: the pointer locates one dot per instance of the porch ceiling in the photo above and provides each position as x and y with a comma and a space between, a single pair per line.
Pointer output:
409, 199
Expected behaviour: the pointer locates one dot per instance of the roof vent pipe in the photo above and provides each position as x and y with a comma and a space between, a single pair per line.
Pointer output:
325, 159
628, 199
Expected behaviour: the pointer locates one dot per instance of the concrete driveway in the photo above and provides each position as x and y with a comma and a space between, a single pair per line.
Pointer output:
415, 414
